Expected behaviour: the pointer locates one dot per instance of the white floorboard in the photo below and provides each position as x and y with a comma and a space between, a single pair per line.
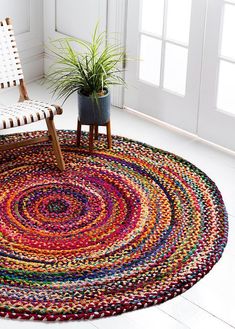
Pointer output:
210, 303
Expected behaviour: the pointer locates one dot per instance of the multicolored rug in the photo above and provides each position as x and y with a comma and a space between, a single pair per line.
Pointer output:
117, 231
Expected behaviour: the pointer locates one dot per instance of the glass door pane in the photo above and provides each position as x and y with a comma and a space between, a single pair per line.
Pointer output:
228, 44
175, 71
226, 85
150, 62
226, 76
152, 16
178, 20
165, 27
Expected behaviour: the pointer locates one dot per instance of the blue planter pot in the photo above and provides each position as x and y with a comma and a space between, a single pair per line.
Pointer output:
92, 112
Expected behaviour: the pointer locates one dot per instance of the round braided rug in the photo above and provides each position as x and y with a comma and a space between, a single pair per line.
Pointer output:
118, 230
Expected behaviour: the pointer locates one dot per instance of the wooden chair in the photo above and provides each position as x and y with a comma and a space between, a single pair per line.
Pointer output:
25, 111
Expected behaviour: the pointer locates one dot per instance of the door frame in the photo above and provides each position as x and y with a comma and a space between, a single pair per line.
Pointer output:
117, 25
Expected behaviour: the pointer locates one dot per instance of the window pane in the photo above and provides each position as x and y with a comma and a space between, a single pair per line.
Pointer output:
178, 20
228, 44
175, 72
150, 59
152, 16
226, 94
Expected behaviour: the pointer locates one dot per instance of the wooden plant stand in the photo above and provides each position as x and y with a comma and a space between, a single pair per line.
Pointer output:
93, 134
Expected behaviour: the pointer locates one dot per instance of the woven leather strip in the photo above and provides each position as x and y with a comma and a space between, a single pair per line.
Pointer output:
25, 112
10, 68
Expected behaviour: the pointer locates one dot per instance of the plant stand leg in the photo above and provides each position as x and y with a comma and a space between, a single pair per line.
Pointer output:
55, 143
109, 137
96, 131
91, 136
79, 127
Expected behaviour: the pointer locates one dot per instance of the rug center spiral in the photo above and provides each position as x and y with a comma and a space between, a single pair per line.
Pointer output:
57, 206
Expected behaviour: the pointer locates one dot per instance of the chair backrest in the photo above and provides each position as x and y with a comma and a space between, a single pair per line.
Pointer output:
11, 73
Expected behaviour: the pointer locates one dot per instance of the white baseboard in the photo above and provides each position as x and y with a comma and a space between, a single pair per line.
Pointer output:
176, 129
33, 67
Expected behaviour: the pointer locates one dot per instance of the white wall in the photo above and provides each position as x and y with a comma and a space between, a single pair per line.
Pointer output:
37, 21
78, 18
75, 18
27, 18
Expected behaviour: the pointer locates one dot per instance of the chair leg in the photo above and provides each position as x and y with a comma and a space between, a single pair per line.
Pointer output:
55, 144
96, 131
91, 136
79, 128
109, 137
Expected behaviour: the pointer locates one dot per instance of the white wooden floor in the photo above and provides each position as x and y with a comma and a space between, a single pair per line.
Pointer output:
211, 302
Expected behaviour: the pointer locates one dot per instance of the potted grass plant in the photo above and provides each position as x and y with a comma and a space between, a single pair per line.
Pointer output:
89, 69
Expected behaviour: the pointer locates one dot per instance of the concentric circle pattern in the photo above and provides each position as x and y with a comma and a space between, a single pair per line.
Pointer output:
118, 230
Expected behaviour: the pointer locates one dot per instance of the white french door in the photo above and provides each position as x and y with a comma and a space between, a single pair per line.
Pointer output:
185, 74
166, 36
217, 105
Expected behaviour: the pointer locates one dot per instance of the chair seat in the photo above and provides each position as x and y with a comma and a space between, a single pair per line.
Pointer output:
22, 113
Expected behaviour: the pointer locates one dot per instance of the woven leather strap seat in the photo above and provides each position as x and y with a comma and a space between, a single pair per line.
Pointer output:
22, 113
25, 111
